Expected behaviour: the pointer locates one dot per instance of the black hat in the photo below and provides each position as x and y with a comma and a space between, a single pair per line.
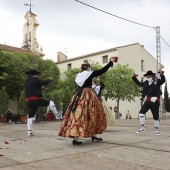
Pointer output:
149, 73
32, 72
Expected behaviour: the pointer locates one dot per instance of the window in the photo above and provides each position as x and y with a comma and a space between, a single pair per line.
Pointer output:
142, 65
105, 59
69, 66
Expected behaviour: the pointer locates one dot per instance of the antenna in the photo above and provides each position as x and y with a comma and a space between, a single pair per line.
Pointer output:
29, 5
66, 50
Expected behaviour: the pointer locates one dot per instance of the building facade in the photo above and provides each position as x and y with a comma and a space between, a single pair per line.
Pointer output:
134, 55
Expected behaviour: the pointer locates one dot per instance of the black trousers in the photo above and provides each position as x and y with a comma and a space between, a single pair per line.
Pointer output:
154, 107
33, 106
8, 118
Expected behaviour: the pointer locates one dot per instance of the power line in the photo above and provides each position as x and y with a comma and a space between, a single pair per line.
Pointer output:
165, 41
113, 14
121, 18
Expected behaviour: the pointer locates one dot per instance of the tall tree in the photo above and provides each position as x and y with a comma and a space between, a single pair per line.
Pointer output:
4, 101
12, 73
166, 99
120, 85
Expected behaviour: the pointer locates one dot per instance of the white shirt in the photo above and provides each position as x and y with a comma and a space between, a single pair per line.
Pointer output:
97, 89
82, 77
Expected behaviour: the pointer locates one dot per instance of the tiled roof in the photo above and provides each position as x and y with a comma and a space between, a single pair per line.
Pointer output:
14, 49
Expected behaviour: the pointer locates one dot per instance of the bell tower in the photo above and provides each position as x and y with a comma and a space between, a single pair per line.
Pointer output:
29, 33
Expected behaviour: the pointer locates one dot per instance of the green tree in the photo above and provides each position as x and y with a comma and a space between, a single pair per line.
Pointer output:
69, 81
166, 99
61, 98
13, 66
120, 85
67, 88
23, 104
4, 101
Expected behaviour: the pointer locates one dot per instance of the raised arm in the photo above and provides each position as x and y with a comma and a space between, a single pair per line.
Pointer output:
44, 82
162, 80
137, 81
97, 73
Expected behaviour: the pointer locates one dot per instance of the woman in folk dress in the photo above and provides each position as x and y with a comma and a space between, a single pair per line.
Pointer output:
85, 115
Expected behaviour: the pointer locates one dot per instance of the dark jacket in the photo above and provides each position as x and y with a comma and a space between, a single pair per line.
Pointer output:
32, 86
152, 90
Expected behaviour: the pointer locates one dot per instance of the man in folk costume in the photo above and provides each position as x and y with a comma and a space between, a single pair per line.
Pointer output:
151, 90
85, 116
33, 93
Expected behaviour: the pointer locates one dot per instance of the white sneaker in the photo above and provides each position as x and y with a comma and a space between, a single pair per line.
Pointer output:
142, 129
157, 133
57, 117
30, 134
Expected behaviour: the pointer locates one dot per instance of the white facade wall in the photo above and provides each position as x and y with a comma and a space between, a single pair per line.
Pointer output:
131, 55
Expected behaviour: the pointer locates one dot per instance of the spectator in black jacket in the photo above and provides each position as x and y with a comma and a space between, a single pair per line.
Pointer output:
33, 93
9, 117
151, 90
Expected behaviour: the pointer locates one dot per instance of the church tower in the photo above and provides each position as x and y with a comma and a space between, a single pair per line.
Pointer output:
29, 34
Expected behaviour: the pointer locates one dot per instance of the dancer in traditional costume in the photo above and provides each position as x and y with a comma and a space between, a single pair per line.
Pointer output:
108, 112
85, 115
109, 115
151, 89
33, 93
98, 88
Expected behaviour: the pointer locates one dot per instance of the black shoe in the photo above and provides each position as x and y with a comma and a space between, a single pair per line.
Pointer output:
96, 138
77, 142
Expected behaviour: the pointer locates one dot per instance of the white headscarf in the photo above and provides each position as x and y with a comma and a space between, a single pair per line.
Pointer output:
82, 77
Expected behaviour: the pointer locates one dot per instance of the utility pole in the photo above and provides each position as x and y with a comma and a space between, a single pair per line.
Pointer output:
158, 56
158, 48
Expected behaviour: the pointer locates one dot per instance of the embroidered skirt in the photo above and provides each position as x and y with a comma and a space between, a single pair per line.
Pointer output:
86, 119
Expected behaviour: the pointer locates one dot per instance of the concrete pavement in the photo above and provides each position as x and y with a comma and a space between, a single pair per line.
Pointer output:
121, 149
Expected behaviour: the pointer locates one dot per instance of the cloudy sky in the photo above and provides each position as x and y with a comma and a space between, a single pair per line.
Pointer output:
75, 29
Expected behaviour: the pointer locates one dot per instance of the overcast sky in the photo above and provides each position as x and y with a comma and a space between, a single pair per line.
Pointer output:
67, 24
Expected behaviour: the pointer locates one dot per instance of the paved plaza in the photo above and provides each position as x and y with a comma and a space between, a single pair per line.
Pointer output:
121, 149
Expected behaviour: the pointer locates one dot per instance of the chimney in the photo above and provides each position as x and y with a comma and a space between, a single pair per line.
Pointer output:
61, 57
